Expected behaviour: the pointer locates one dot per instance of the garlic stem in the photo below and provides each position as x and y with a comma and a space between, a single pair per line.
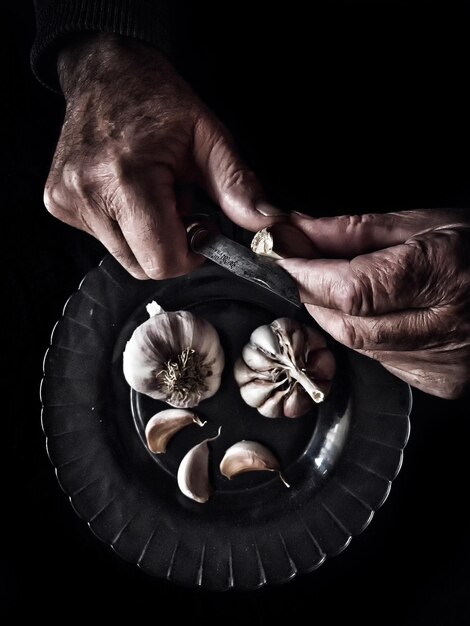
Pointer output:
310, 387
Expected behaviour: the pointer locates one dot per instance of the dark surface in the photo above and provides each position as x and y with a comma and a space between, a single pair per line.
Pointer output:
399, 92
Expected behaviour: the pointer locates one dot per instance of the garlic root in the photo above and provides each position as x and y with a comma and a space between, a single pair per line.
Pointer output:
249, 456
163, 425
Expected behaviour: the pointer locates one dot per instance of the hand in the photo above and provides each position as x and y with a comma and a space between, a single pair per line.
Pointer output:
135, 134
398, 291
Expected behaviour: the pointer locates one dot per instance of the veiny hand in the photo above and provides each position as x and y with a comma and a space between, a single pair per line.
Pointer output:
134, 135
398, 291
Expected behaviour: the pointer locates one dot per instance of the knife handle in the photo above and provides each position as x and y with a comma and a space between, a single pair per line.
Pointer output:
198, 227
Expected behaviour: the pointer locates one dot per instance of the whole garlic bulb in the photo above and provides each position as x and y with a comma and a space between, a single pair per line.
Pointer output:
283, 368
175, 357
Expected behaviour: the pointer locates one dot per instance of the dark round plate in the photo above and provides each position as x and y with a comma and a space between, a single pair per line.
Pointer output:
340, 458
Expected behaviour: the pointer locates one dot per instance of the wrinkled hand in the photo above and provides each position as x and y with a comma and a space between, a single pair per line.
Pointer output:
398, 291
135, 135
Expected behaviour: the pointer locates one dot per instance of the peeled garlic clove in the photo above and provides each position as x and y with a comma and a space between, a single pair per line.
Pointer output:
249, 456
175, 357
163, 425
193, 472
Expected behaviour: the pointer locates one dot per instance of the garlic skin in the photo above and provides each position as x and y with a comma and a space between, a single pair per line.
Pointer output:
283, 368
175, 357
249, 456
163, 425
282, 241
193, 472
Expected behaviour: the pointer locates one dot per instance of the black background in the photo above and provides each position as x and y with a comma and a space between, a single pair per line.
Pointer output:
356, 107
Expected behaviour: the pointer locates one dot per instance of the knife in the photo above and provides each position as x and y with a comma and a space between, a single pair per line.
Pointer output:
205, 239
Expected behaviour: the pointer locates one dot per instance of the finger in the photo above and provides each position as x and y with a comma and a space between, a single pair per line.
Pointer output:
406, 330
152, 227
229, 181
393, 279
96, 224
109, 234
430, 378
347, 236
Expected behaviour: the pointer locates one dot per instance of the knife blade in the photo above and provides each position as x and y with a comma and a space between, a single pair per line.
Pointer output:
204, 239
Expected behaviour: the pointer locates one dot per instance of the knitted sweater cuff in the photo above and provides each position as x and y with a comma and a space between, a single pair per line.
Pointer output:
58, 21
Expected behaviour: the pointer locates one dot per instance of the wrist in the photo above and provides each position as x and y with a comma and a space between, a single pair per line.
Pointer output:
101, 57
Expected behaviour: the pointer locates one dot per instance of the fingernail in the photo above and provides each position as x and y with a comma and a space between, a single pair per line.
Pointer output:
268, 210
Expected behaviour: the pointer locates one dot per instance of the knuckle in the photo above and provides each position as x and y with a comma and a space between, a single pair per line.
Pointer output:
54, 199
353, 296
350, 336
156, 272
238, 177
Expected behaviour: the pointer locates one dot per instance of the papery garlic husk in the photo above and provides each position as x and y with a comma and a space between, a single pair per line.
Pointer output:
175, 357
283, 241
284, 367
193, 472
249, 456
164, 424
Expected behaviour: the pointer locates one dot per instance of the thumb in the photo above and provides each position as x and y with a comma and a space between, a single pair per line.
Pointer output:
228, 179
347, 236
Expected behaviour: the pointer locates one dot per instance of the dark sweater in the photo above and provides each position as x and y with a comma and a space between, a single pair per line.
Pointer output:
349, 106
59, 21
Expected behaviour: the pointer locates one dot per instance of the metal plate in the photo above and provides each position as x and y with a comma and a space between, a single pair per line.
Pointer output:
340, 458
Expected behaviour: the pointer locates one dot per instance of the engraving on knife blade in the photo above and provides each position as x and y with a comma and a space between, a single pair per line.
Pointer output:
246, 264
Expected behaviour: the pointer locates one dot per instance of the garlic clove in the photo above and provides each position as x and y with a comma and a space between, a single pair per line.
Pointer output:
263, 244
256, 392
321, 364
249, 456
256, 359
283, 241
264, 338
297, 403
315, 340
274, 405
163, 425
193, 472
244, 374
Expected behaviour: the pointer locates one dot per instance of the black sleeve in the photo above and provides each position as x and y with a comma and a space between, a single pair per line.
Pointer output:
59, 21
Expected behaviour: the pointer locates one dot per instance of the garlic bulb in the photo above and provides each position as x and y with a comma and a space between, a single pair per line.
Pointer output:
175, 357
193, 472
163, 425
249, 456
283, 368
